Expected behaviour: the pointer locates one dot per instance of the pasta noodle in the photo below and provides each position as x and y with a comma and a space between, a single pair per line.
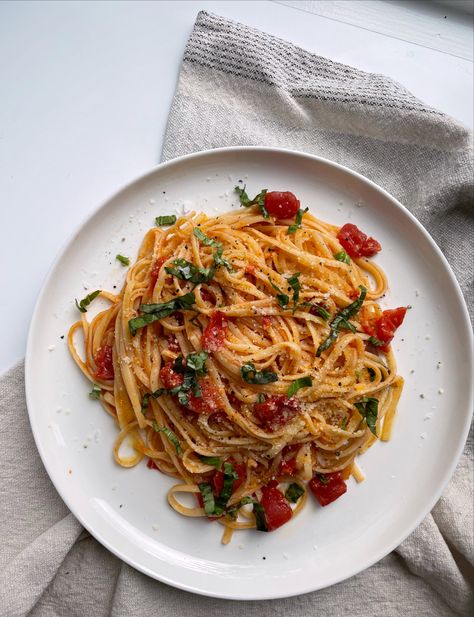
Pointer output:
214, 362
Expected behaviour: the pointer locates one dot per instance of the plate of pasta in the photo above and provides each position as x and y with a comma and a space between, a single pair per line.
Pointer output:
246, 373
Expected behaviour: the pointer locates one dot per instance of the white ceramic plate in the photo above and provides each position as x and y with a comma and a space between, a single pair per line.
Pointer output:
126, 510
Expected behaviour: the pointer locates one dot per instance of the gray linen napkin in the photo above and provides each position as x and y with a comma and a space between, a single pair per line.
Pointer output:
238, 86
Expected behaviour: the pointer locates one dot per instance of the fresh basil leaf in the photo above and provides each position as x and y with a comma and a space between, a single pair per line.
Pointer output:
169, 434
251, 375
187, 271
321, 311
302, 382
214, 461
282, 298
258, 200
125, 261
232, 512
294, 283
341, 320
343, 256
294, 492
197, 362
95, 392
81, 306
375, 341
218, 259
207, 498
229, 476
183, 398
261, 398
260, 516
154, 312
297, 224
165, 221
322, 478
368, 408
344, 422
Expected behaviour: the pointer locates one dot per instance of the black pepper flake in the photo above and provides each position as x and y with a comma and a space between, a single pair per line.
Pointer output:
121, 505
115, 286
263, 557
62, 336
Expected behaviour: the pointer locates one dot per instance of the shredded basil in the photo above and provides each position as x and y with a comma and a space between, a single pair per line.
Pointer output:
170, 435
125, 261
218, 259
214, 461
95, 392
154, 312
302, 382
258, 200
260, 516
229, 476
368, 408
321, 311
294, 283
375, 341
81, 306
251, 375
344, 422
197, 362
341, 320
322, 478
294, 492
343, 256
146, 398
187, 271
282, 298
165, 221
208, 499
261, 398
297, 224
232, 512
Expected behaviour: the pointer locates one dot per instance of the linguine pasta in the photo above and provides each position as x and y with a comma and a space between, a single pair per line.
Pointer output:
238, 359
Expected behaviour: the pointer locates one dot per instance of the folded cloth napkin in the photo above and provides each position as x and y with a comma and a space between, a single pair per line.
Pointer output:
238, 87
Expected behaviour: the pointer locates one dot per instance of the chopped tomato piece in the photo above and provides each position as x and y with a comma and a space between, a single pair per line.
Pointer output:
276, 411
266, 321
217, 482
385, 327
104, 362
287, 467
327, 487
170, 377
151, 464
210, 400
213, 336
282, 205
356, 243
250, 269
277, 509
173, 344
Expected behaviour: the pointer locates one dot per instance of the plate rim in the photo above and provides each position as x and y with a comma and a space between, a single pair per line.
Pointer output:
365, 563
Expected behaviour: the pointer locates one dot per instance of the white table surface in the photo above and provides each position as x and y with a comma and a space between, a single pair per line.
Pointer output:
86, 89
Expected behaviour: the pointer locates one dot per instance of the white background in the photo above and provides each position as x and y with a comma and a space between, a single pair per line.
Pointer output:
86, 89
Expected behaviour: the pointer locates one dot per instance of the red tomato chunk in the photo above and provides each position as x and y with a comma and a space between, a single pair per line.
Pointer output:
356, 243
104, 363
213, 337
169, 377
210, 400
173, 344
385, 327
327, 487
281, 205
277, 509
151, 464
276, 411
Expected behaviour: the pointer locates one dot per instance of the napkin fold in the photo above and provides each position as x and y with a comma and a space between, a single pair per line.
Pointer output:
238, 86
